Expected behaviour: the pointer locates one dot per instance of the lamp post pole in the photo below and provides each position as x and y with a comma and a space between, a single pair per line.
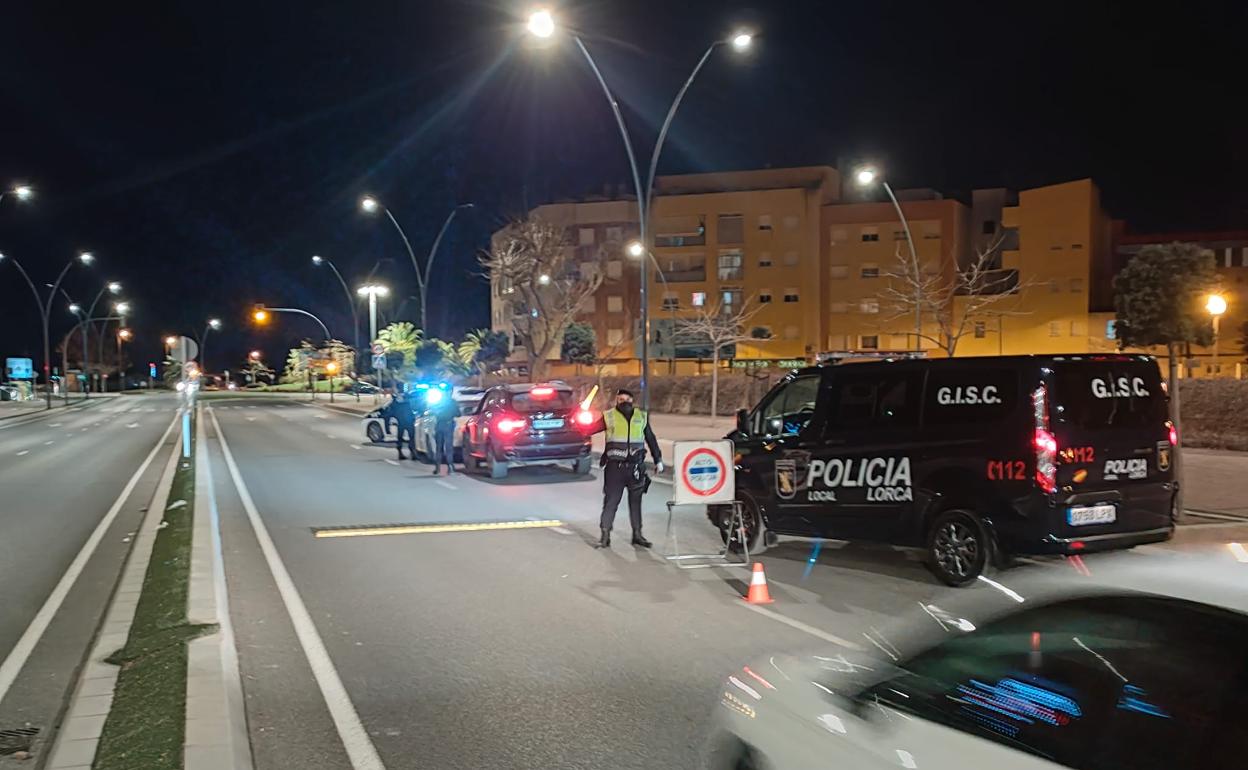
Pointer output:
355, 315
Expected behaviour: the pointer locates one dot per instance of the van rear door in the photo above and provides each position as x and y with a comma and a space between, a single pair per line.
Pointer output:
1109, 415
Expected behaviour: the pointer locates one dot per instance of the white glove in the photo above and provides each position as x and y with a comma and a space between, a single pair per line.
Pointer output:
659, 467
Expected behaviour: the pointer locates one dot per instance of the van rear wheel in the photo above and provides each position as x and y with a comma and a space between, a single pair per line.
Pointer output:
957, 547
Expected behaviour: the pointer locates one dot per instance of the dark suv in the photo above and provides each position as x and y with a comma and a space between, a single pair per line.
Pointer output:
519, 425
968, 458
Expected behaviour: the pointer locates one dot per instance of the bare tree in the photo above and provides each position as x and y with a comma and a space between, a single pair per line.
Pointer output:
543, 283
604, 355
950, 302
719, 327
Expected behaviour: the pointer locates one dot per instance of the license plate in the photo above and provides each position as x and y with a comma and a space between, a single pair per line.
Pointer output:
1080, 515
547, 424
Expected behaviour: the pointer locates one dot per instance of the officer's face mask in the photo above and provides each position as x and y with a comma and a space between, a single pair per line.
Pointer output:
625, 407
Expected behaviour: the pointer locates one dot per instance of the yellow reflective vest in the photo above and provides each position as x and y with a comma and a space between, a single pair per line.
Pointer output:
625, 437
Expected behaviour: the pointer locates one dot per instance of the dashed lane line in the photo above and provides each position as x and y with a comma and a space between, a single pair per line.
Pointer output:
446, 484
23, 452
392, 462
48, 443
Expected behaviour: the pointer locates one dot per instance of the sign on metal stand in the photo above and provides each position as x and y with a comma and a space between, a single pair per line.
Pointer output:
704, 475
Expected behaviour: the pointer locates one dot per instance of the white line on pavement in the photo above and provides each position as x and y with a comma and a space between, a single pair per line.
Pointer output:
48, 443
17, 657
330, 435
392, 462
355, 739
55, 425
562, 530
132, 425
800, 626
23, 452
447, 484
355, 446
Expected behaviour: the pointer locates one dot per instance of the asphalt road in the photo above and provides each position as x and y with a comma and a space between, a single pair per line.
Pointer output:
60, 474
519, 648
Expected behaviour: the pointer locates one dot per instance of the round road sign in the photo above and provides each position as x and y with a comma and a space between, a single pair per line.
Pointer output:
378, 349
704, 472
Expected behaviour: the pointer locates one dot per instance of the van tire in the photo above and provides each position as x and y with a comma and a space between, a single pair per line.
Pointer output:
755, 528
958, 547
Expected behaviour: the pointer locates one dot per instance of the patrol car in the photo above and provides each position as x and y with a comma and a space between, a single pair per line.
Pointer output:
972, 459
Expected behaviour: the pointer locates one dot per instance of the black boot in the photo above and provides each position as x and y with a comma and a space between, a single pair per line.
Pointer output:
605, 540
641, 541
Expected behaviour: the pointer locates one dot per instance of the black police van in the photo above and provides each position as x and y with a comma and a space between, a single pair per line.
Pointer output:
972, 459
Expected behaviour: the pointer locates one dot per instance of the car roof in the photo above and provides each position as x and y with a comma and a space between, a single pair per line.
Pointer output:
974, 361
526, 387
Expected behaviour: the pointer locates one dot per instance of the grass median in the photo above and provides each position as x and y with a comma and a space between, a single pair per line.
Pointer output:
145, 729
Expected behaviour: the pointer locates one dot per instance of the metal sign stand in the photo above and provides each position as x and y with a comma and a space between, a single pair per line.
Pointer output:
737, 523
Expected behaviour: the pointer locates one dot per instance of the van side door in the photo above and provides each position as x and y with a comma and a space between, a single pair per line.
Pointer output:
861, 474
783, 431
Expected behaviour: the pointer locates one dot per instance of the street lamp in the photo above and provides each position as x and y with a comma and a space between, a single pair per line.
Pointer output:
371, 205
355, 316
372, 291
865, 177
170, 341
45, 306
544, 279
1216, 305
542, 25
213, 325
261, 316
22, 192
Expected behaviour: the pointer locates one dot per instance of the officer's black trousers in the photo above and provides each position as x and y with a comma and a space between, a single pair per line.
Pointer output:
616, 478
407, 435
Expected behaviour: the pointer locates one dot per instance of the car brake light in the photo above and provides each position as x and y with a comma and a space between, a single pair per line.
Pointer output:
508, 425
584, 418
1172, 433
542, 392
1044, 442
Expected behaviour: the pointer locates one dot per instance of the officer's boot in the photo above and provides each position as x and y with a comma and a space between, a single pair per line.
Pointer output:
605, 540
639, 540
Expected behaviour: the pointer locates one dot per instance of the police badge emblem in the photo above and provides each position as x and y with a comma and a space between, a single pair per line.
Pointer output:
786, 479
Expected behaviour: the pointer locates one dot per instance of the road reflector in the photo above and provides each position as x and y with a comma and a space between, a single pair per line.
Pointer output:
424, 529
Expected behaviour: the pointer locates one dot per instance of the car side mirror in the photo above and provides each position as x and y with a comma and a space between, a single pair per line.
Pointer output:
743, 421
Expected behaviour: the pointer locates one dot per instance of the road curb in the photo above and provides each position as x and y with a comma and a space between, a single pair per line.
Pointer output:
78, 735
216, 716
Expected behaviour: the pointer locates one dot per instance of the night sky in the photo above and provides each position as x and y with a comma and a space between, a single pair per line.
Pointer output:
205, 151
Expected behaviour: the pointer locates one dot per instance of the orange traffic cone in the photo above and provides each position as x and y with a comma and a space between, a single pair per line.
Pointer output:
758, 593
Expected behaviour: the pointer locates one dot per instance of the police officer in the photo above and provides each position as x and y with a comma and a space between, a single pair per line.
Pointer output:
623, 461
444, 412
405, 419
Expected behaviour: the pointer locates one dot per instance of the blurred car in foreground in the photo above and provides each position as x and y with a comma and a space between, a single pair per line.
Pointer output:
521, 425
467, 400
1141, 664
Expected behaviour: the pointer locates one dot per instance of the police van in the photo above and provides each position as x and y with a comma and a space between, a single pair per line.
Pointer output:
972, 459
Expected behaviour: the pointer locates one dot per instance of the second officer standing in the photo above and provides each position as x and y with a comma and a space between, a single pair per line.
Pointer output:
623, 462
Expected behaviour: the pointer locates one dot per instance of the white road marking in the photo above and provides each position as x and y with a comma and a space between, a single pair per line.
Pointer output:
251, 419
322, 417
355, 446
330, 435
55, 425
23, 452
392, 462
355, 739
562, 530
48, 443
800, 626
18, 656
132, 425
448, 485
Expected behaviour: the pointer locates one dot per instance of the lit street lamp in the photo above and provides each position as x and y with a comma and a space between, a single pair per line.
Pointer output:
22, 192
371, 205
865, 177
261, 316
355, 316
542, 25
1216, 305
212, 325
45, 306
372, 291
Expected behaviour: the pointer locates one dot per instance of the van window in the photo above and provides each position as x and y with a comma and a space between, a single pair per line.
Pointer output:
1109, 394
968, 396
873, 399
788, 409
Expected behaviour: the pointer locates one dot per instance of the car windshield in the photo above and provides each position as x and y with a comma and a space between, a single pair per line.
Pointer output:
542, 401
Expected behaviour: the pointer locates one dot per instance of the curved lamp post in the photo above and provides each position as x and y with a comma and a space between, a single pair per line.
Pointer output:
865, 177
355, 315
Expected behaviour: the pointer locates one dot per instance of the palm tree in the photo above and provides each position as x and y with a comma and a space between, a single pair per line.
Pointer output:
401, 337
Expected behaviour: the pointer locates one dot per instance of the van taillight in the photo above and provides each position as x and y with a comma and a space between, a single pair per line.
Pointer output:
1044, 442
1172, 433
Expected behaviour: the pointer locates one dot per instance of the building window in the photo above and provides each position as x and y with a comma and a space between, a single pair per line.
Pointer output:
680, 231
730, 264
731, 228
671, 301
790, 259
981, 330
870, 234
615, 304
790, 222
699, 299
838, 271
764, 222
615, 336
764, 296
838, 307
764, 259
615, 234
870, 305
870, 270
1055, 329
792, 332
790, 295
869, 341
899, 235
1076, 285
587, 236
989, 227
730, 299
615, 268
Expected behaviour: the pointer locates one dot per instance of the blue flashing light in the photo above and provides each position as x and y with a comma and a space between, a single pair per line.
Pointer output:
433, 396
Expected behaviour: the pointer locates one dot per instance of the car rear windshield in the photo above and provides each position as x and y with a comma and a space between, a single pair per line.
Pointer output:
1110, 394
527, 402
